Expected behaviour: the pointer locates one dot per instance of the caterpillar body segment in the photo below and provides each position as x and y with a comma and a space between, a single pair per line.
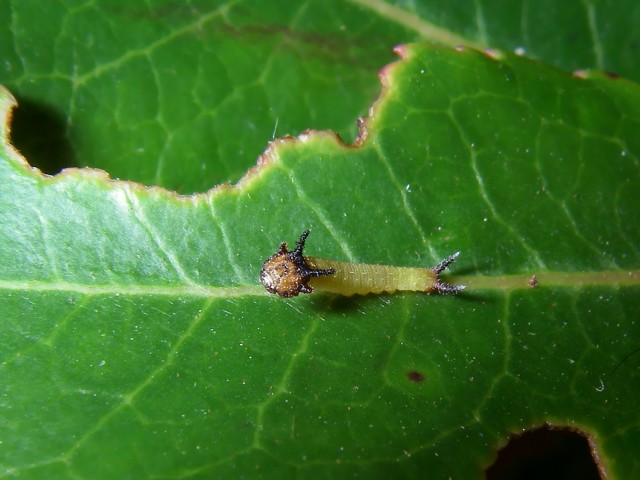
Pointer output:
289, 273
362, 279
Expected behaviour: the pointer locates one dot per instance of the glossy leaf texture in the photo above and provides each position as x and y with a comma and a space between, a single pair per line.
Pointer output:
186, 95
137, 341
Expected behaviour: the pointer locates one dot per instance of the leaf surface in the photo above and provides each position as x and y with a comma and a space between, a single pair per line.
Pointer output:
137, 340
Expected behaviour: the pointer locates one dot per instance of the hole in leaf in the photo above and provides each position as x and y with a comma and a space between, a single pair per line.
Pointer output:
39, 133
547, 452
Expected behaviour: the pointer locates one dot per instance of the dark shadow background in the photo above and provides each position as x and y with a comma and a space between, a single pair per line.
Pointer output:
549, 453
39, 133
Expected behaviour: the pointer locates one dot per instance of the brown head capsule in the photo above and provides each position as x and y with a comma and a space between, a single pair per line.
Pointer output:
290, 273
287, 273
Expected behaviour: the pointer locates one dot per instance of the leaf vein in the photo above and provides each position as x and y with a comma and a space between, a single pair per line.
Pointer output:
324, 218
156, 238
411, 21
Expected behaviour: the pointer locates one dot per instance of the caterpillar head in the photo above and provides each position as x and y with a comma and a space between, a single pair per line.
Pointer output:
287, 273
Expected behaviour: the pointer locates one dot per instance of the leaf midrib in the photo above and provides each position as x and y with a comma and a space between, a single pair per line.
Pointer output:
411, 21
625, 278
620, 278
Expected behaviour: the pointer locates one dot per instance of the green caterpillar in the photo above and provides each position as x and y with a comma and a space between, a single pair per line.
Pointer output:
289, 273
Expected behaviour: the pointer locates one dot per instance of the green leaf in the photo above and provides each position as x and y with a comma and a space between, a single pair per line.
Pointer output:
187, 96
137, 341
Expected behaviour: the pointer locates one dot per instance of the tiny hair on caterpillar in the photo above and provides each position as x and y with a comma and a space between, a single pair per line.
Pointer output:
288, 274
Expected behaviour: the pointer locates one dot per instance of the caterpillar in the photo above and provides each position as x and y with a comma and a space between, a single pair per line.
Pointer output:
288, 274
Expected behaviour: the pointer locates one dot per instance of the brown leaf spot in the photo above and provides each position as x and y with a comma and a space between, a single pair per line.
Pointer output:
415, 376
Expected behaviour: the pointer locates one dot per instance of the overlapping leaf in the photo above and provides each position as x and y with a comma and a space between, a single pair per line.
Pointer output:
187, 95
